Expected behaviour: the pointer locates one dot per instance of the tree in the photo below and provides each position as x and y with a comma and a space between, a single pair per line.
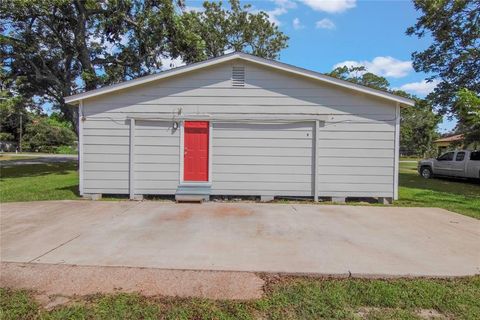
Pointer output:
418, 123
237, 29
467, 107
418, 128
54, 48
15, 110
359, 75
44, 134
454, 56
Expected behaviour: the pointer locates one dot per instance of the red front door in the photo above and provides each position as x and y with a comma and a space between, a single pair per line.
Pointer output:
195, 158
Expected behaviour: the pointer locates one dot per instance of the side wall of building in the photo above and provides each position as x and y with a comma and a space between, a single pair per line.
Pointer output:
356, 137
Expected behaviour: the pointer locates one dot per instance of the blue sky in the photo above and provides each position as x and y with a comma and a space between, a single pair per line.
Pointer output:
324, 34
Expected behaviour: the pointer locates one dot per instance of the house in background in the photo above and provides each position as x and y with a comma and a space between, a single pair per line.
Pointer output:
239, 125
454, 142
448, 143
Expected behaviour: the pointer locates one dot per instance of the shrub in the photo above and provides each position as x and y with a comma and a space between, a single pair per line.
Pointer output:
45, 134
65, 150
5, 136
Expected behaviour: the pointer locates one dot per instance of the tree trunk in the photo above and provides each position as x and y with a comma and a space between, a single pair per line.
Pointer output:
90, 78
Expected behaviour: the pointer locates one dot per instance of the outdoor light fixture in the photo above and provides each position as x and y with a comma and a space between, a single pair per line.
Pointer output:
175, 125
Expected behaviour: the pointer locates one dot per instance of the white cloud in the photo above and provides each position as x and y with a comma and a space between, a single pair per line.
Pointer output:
330, 6
325, 24
274, 14
382, 66
297, 25
287, 4
422, 88
282, 7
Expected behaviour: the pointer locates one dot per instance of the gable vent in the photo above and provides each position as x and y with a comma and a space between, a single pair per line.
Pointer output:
238, 76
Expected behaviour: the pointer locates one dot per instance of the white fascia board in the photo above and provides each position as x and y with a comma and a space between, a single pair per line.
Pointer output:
74, 99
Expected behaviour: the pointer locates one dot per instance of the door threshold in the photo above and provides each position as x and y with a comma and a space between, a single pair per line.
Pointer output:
195, 184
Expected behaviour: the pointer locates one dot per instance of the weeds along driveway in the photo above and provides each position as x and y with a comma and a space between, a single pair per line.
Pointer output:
329, 240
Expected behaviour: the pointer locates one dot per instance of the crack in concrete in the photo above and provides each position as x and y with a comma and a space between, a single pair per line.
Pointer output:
94, 224
60, 245
128, 209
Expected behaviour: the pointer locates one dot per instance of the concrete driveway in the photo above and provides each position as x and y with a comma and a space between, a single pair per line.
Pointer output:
290, 238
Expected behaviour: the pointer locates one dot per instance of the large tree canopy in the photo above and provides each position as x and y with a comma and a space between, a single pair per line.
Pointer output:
468, 112
234, 29
359, 75
454, 55
54, 48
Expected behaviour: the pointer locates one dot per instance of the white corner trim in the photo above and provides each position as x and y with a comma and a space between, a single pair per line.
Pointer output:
210, 148
181, 150
397, 152
131, 170
80, 149
315, 161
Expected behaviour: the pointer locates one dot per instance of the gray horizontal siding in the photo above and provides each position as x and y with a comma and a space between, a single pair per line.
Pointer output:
356, 163
157, 148
250, 165
210, 91
356, 140
109, 190
239, 108
105, 157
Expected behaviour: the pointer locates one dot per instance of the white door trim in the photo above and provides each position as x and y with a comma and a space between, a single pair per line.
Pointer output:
182, 182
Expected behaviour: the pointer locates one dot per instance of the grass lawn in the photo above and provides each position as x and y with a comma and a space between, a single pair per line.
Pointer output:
290, 298
8, 157
50, 181
409, 159
455, 195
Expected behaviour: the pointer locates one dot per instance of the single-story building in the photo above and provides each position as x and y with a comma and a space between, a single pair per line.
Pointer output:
239, 125
449, 143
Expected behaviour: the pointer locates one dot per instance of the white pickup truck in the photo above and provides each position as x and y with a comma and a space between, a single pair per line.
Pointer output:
459, 164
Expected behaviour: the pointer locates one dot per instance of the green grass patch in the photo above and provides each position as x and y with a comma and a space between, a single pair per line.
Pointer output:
290, 298
460, 196
49, 181
9, 157
409, 158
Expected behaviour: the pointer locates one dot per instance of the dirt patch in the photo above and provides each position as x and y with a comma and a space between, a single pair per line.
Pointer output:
64, 281
181, 215
430, 314
51, 302
221, 211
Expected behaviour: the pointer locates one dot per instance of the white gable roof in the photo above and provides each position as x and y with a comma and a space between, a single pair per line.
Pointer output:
75, 99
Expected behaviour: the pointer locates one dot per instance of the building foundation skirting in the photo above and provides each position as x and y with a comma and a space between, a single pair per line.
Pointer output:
137, 197
385, 200
266, 198
92, 196
339, 199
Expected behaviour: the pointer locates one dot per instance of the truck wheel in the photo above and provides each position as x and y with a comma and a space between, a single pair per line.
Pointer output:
426, 172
